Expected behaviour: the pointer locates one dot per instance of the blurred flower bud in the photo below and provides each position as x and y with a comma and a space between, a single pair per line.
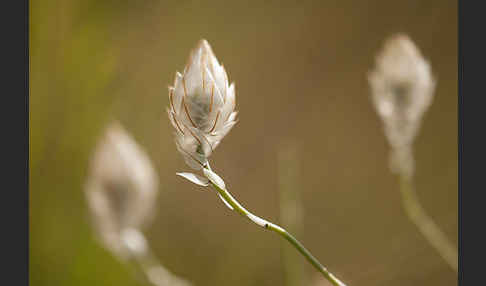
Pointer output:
201, 106
402, 89
121, 191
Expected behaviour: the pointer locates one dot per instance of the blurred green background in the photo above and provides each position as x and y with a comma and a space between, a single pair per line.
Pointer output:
300, 73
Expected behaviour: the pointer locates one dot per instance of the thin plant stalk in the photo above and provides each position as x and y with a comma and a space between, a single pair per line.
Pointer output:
275, 228
291, 211
151, 270
429, 229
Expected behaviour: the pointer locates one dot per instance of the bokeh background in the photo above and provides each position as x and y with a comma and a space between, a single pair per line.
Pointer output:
300, 73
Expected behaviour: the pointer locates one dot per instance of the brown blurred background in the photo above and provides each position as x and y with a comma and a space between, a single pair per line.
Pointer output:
300, 73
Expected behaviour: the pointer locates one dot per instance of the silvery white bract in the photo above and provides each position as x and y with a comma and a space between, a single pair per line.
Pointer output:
402, 88
121, 190
201, 106
196, 179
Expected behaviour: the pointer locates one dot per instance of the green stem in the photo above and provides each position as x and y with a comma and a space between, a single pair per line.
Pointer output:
425, 224
277, 229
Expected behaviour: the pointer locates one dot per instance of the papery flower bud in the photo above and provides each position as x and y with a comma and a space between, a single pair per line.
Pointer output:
201, 106
121, 191
402, 89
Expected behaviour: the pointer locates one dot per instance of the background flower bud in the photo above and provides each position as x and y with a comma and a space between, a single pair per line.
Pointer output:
121, 189
201, 106
402, 89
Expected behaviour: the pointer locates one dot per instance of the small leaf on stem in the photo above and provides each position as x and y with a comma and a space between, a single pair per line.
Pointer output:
196, 179
214, 178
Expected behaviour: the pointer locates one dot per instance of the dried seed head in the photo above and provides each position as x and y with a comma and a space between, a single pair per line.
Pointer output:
201, 106
121, 190
402, 89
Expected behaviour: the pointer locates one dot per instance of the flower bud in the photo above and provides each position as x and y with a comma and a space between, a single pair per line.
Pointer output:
121, 189
402, 89
201, 106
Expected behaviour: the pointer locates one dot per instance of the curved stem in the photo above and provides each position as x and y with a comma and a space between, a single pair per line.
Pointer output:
152, 270
277, 229
425, 224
